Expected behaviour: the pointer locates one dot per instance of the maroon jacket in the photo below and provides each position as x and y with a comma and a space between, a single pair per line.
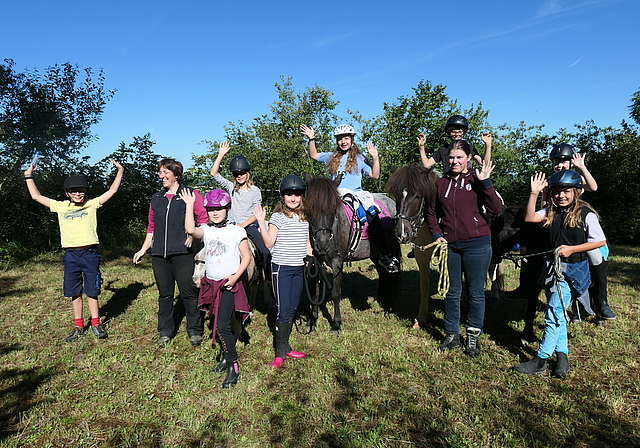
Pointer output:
456, 213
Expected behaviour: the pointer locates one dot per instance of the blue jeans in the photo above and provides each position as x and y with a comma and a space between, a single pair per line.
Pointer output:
287, 288
555, 323
474, 263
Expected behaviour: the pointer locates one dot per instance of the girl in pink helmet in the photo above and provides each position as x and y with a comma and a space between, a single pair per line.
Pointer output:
227, 257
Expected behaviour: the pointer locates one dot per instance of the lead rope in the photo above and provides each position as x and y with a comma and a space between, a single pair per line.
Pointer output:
439, 261
559, 277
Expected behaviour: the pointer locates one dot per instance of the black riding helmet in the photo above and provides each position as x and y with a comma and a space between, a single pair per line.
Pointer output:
457, 120
566, 178
562, 151
75, 182
239, 163
292, 182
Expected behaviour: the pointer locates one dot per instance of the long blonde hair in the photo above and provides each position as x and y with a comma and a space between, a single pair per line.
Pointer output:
352, 159
249, 183
574, 212
281, 207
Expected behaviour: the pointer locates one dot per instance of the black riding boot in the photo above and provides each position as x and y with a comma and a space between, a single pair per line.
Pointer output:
562, 365
233, 373
599, 297
281, 343
536, 365
376, 233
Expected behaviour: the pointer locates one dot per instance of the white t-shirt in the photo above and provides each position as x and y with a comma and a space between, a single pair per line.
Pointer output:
222, 250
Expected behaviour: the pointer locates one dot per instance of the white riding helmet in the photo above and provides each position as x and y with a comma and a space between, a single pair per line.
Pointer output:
344, 129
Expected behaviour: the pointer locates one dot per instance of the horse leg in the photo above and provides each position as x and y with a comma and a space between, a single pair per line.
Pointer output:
336, 296
496, 273
423, 259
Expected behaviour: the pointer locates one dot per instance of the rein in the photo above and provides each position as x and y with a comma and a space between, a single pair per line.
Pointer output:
315, 272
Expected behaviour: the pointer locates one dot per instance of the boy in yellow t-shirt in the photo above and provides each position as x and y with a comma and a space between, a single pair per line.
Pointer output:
78, 222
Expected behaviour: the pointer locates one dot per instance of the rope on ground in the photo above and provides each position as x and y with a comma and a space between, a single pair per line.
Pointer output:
439, 262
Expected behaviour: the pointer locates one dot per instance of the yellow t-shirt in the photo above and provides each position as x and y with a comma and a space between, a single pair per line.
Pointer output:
78, 223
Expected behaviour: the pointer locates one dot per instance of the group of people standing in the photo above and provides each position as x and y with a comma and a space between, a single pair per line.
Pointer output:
181, 221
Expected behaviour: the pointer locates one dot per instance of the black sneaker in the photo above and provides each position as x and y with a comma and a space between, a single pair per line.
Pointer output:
450, 342
196, 340
606, 312
164, 340
472, 343
75, 334
390, 263
99, 331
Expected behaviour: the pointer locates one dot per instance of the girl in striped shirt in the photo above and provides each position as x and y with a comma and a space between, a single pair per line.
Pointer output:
288, 237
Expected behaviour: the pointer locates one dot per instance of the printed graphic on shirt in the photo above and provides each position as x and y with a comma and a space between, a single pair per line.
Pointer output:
216, 250
73, 214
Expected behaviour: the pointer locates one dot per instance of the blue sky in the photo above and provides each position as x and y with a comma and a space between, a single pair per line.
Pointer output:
183, 70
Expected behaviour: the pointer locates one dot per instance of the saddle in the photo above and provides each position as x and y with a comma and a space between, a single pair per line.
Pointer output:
357, 216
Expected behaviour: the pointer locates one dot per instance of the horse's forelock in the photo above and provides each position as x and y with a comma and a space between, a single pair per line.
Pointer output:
322, 198
414, 180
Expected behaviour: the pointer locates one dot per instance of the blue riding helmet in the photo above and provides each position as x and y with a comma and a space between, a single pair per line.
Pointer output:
567, 179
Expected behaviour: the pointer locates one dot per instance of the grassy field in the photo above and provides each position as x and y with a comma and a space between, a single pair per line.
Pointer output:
379, 384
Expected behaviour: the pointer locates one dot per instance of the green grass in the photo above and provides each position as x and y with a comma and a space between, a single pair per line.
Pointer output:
379, 384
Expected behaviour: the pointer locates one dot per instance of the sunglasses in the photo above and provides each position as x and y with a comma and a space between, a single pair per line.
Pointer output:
239, 173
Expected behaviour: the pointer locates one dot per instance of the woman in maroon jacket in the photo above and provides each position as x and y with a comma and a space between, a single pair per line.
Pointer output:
455, 218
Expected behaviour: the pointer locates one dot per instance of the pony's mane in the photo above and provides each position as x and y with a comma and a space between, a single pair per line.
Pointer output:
415, 180
322, 197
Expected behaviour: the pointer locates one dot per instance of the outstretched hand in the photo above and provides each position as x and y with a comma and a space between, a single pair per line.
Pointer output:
116, 164
486, 169
188, 196
538, 183
422, 139
307, 131
487, 137
259, 212
372, 150
578, 160
224, 148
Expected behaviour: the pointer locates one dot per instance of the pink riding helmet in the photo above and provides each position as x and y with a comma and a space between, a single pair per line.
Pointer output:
217, 198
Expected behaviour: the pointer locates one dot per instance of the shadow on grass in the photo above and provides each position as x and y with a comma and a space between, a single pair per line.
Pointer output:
7, 285
121, 299
17, 390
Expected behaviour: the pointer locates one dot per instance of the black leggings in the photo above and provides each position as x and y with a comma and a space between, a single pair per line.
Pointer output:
225, 334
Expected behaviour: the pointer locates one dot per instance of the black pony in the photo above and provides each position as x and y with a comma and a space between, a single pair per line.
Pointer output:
330, 229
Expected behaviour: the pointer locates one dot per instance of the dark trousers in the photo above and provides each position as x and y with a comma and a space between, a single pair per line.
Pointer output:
169, 271
287, 288
225, 334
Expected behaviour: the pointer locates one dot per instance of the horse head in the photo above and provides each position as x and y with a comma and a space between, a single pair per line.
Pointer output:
322, 202
413, 187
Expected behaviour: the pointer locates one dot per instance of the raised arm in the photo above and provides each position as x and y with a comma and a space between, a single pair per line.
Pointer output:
375, 169
590, 183
268, 235
427, 162
538, 183
189, 198
33, 190
487, 138
104, 197
222, 151
311, 135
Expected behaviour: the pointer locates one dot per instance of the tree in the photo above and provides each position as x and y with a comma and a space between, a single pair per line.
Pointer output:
396, 129
634, 108
273, 143
51, 113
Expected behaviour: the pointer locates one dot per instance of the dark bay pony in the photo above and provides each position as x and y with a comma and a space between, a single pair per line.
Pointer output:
330, 229
413, 187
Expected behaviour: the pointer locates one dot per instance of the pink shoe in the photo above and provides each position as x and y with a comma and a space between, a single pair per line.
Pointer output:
277, 362
293, 354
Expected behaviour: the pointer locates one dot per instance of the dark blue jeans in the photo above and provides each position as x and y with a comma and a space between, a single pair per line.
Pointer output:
287, 288
474, 263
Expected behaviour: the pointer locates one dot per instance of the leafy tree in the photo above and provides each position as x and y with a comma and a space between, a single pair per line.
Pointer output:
634, 108
273, 143
396, 129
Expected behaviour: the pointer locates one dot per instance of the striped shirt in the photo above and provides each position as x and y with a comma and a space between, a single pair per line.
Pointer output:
290, 247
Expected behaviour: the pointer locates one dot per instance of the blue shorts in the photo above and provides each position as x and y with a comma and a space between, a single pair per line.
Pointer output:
82, 272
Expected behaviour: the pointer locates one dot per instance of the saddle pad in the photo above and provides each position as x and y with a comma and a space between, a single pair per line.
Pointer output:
385, 217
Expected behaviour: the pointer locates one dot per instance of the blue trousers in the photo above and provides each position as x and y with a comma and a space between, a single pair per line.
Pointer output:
287, 288
555, 337
474, 263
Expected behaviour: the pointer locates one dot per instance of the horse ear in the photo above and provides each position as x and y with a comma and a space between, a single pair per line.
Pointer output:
393, 169
338, 179
307, 177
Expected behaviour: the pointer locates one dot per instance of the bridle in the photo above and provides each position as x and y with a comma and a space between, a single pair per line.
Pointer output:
416, 221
